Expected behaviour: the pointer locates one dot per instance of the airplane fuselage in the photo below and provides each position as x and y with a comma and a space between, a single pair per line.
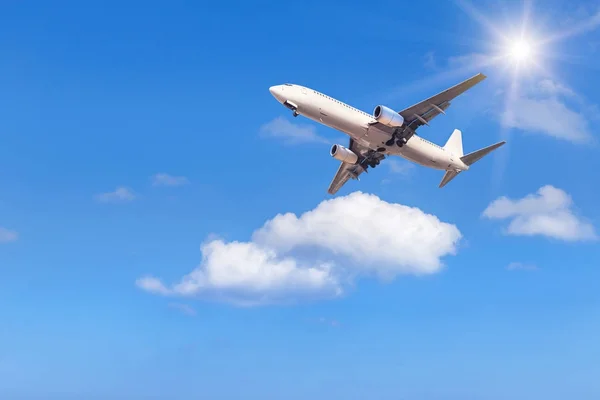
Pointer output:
360, 126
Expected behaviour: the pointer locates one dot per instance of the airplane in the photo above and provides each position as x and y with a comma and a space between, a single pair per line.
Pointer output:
385, 132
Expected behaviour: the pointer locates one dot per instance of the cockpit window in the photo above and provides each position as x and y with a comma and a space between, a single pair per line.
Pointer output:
288, 84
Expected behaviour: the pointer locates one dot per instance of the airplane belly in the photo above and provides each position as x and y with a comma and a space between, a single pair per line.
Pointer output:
345, 121
424, 158
376, 137
414, 157
348, 127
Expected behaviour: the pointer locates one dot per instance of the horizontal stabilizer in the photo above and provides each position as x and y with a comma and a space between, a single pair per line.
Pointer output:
448, 176
475, 156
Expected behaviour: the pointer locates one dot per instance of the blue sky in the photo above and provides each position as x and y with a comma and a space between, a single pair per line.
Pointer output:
153, 235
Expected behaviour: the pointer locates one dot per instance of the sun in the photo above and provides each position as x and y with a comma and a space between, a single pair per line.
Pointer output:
520, 51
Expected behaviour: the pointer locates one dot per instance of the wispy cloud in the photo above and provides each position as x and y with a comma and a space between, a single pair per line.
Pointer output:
326, 321
543, 109
317, 254
429, 60
519, 266
399, 167
471, 60
291, 133
581, 21
552, 88
163, 179
120, 195
7, 236
546, 213
183, 308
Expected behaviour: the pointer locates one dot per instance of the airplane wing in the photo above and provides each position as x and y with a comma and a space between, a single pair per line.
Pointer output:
347, 171
423, 112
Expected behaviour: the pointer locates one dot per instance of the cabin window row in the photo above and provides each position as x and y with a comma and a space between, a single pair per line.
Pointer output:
427, 141
339, 102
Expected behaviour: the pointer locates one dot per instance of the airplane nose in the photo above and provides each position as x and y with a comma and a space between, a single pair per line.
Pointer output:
276, 92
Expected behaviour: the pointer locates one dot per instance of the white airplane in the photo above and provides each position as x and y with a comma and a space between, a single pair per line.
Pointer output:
385, 132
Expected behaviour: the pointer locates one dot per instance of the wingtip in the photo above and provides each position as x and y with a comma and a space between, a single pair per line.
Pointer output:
475, 79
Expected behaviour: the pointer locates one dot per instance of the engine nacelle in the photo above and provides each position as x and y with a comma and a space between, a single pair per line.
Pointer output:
388, 117
343, 154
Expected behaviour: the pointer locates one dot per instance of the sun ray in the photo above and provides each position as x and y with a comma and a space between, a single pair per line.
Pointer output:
479, 17
527, 5
501, 160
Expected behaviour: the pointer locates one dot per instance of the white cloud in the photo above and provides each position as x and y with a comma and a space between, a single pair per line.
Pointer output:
367, 230
121, 194
152, 285
547, 213
319, 253
513, 266
543, 110
290, 132
163, 179
7, 236
247, 274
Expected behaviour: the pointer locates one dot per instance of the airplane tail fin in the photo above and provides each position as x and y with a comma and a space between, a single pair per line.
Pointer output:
475, 156
454, 143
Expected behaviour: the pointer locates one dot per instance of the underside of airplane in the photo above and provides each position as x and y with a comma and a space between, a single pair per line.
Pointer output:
376, 136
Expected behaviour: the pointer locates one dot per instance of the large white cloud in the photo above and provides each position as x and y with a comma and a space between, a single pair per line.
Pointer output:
378, 236
547, 212
318, 253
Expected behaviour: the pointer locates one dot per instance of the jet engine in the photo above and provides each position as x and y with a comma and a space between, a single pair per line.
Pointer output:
343, 154
388, 117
